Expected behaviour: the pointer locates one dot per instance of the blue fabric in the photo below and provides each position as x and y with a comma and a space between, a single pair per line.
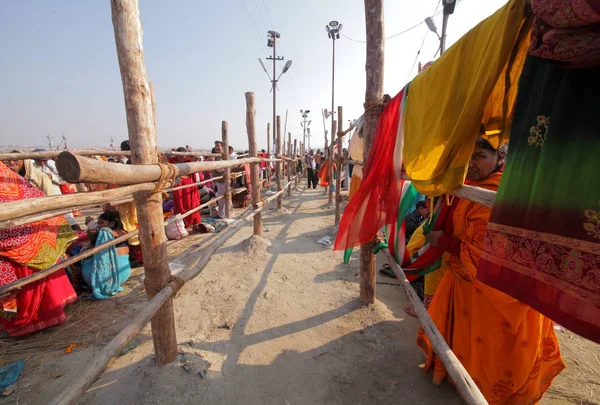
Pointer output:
419, 197
10, 374
106, 270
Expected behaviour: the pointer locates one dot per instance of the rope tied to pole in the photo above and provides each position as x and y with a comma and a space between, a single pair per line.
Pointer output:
168, 174
376, 107
175, 282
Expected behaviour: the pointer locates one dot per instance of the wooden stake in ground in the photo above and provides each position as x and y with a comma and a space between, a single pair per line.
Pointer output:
142, 136
373, 100
340, 160
251, 129
289, 163
227, 174
331, 162
295, 163
278, 165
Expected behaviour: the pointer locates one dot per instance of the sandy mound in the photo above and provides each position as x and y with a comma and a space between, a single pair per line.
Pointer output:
256, 245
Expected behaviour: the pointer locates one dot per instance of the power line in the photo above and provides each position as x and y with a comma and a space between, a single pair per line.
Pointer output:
436, 13
268, 15
252, 21
422, 43
260, 15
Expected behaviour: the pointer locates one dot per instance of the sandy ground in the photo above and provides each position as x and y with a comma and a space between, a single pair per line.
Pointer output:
271, 321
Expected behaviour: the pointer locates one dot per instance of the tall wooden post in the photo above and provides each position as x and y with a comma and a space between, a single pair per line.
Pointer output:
289, 163
254, 167
295, 163
373, 97
331, 160
278, 165
227, 174
340, 161
142, 136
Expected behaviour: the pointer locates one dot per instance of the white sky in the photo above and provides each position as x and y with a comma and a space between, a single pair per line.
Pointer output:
59, 72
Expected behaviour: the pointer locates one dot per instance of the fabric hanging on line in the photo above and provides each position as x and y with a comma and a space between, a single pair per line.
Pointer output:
376, 201
543, 241
567, 32
466, 86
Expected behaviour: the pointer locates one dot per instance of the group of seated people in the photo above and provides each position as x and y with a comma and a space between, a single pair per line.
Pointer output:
29, 248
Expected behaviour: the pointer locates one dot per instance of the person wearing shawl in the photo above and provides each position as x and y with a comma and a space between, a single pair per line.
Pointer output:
27, 169
509, 349
188, 198
25, 250
106, 270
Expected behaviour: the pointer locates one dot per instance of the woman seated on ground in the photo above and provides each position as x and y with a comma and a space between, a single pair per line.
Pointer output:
108, 269
25, 250
508, 348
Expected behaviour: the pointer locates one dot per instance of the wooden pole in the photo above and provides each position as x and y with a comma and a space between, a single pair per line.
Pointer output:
463, 382
290, 163
227, 174
254, 168
340, 160
331, 160
295, 164
373, 97
142, 136
78, 169
278, 165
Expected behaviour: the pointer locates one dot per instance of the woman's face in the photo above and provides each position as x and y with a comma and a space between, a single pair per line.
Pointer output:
483, 163
15, 165
102, 223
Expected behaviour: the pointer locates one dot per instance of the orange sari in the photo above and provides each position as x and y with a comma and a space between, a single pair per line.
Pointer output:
323, 173
508, 348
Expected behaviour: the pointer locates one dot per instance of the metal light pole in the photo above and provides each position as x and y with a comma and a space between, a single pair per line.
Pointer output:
448, 9
305, 126
333, 31
272, 37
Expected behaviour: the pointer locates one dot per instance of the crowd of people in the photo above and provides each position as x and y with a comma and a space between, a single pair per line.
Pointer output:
29, 248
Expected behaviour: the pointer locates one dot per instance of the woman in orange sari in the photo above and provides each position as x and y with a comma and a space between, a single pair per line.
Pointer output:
508, 348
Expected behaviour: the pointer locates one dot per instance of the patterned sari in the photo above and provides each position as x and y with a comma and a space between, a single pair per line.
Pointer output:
25, 250
543, 241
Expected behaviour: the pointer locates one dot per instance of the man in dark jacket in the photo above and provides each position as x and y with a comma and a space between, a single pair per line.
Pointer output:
415, 218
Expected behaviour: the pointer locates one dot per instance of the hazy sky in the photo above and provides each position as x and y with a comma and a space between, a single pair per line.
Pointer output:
59, 71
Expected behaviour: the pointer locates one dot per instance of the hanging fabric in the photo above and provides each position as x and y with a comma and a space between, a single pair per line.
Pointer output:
447, 101
376, 201
542, 246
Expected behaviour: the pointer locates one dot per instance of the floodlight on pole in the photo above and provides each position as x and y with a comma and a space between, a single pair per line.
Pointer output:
432, 27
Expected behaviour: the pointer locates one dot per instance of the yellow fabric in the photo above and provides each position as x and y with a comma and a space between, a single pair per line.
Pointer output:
417, 240
446, 102
433, 279
128, 214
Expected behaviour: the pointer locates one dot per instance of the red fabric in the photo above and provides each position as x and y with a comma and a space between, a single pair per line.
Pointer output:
442, 223
450, 244
376, 201
40, 304
567, 32
187, 199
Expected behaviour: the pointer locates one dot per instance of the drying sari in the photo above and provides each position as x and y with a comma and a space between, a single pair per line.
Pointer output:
187, 199
508, 348
543, 240
25, 250
106, 270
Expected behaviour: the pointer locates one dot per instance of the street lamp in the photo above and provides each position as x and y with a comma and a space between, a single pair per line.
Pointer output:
333, 32
305, 125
